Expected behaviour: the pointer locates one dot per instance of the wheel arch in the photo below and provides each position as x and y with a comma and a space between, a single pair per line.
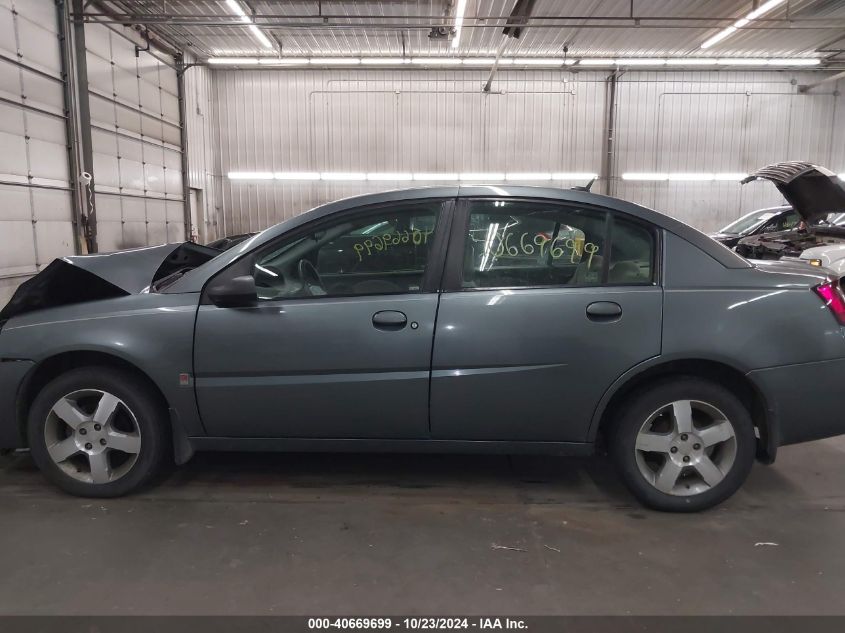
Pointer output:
717, 371
53, 366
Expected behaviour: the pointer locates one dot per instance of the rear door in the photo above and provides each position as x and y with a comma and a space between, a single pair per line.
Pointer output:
545, 305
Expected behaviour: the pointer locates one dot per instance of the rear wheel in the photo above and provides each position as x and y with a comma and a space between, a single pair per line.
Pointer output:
97, 432
683, 445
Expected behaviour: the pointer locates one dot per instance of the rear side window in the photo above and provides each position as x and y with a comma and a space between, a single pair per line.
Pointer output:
525, 244
631, 254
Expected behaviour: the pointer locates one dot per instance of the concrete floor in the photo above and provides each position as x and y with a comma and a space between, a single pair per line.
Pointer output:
353, 534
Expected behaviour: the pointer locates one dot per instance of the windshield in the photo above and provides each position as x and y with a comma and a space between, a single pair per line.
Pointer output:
748, 223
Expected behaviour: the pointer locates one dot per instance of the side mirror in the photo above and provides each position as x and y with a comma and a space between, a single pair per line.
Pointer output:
239, 292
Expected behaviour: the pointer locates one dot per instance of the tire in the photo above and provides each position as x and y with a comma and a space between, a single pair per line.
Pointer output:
97, 432
666, 441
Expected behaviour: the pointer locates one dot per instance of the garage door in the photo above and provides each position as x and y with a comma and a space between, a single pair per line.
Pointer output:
36, 222
136, 141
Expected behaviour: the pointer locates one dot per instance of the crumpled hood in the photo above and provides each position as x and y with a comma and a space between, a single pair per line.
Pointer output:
136, 269
813, 191
82, 278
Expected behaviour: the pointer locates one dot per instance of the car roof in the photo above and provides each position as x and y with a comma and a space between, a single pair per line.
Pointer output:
193, 280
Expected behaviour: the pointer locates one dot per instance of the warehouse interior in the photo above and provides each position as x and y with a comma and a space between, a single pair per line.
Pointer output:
135, 123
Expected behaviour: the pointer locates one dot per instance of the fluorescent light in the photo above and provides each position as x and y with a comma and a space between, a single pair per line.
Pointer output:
297, 175
384, 61
763, 8
683, 176
596, 62
537, 61
259, 35
738, 61
459, 22
574, 175
644, 176
505, 61
336, 61
282, 61
390, 176
690, 177
718, 37
236, 8
437, 61
691, 61
405, 176
798, 61
641, 61
233, 61
842, 176
756, 13
435, 176
482, 176
342, 176
528, 176
484, 61
250, 175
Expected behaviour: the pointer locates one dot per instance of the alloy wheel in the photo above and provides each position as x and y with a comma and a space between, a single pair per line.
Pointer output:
92, 436
686, 447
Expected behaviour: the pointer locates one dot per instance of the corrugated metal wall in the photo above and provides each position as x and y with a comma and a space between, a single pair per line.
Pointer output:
201, 148
136, 142
392, 121
720, 122
35, 200
438, 121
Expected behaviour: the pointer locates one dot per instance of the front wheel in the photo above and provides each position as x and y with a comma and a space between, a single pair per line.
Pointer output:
97, 432
683, 445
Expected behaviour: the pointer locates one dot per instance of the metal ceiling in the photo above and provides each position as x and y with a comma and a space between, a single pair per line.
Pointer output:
585, 28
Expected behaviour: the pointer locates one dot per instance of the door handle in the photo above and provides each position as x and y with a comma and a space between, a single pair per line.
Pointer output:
390, 320
604, 311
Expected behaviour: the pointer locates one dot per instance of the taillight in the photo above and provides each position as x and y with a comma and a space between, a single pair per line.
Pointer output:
831, 294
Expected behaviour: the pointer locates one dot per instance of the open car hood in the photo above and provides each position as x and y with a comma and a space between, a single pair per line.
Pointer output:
813, 191
83, 278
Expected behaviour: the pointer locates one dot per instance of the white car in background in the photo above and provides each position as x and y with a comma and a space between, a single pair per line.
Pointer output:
831, 256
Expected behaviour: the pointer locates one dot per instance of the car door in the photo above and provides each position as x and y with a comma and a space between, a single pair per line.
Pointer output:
545, 305
339, 344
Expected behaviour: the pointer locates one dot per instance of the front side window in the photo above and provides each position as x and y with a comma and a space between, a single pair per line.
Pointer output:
380, 252
524, 244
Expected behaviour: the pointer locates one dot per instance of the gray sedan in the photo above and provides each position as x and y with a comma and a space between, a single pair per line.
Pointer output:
490, 319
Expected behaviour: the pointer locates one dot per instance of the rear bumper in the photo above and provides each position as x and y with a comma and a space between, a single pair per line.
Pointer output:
12, 374
805, 401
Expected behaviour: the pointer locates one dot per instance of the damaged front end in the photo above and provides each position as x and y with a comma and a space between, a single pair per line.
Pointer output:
789, 243
815, 193
85, 278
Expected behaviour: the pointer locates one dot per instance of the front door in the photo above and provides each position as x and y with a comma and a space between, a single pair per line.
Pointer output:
546, 305
339, 345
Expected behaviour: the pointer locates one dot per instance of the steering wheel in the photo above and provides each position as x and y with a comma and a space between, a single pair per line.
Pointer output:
312, 284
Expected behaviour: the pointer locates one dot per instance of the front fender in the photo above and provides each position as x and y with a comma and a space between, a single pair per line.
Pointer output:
151, 332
